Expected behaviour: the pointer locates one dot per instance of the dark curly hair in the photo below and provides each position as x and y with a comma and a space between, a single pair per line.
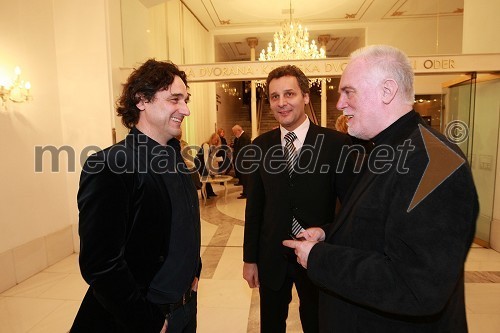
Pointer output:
144, 82
289, 70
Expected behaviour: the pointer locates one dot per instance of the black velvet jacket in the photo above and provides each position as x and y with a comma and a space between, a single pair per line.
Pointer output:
389, 266
126, 199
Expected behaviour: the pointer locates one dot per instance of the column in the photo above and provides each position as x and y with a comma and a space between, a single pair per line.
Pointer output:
323, 40
252, 43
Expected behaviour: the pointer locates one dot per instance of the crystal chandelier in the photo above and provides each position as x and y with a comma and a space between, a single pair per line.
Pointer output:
292, 43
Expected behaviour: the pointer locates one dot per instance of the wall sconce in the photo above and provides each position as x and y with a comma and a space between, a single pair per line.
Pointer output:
15, 90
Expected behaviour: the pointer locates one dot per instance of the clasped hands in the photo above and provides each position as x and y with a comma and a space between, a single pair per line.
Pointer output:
303, 247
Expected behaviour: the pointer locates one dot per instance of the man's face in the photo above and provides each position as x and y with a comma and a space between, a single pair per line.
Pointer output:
287, 102
162, 117
360, 100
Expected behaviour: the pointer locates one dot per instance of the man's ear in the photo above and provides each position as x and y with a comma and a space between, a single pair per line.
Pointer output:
390, 89
306, 98
141, 103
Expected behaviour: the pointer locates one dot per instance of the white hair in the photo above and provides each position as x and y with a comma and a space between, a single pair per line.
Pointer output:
390, 61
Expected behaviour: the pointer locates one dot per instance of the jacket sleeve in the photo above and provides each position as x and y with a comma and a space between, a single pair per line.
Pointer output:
103, 200
424, 249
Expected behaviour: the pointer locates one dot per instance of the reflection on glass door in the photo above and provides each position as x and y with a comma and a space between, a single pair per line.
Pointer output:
458, 113
471, 117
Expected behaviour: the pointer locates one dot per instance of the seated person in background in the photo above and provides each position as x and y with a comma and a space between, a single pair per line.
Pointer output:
209, 161
188, 158
224, 153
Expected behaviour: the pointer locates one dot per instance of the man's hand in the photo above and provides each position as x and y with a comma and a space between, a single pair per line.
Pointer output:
251, 274
164, 328
194, 285
301, 248
313, 234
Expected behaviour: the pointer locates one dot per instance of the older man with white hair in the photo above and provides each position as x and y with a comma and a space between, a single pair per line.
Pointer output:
394, 260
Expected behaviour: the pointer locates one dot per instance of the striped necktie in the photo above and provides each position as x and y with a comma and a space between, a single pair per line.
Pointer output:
291, 159
290, 152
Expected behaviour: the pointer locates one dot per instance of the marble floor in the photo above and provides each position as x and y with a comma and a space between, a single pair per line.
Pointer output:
48, 301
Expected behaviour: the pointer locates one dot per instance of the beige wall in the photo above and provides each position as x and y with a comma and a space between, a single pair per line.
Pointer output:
84, 79
27, 212
144, 32
481, 26
197, 46
420, 36
66, 60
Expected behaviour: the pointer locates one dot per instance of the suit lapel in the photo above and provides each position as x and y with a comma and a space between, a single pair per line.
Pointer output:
309, 140
274, 140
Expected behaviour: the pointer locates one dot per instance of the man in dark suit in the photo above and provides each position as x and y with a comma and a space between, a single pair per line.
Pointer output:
139, 217
394, 260
278, 196
241, 140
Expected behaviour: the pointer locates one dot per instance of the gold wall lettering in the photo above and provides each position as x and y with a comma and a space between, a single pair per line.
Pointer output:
318, 68
225, 71
439, 64
336, 68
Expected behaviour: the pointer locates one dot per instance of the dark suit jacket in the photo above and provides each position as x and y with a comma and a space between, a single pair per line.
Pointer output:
383, 268
239, 143
125, 209
274, 197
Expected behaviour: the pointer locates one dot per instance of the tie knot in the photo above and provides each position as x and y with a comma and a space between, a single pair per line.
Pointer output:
290, 137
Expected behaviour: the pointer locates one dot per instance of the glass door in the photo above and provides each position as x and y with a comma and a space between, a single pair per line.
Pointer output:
471, 119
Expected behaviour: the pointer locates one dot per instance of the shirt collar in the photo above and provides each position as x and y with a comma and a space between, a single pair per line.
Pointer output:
300, 131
